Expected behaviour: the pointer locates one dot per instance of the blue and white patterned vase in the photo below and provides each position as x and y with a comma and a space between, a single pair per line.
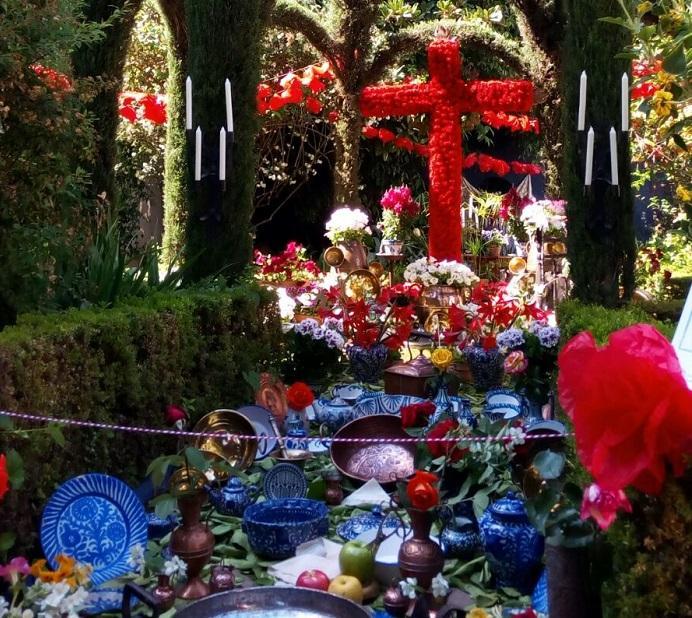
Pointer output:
514, 548
487, 366
296, 439
367, 364
460, 538
333, 413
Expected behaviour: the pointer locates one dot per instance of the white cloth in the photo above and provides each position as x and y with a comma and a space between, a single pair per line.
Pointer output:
320, 554
370, 493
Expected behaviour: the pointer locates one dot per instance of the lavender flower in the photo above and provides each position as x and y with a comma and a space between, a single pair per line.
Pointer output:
511, 339
549, 336
307, 327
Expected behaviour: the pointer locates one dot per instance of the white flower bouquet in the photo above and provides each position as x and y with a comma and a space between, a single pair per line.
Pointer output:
429, 271
544, 216
348, 224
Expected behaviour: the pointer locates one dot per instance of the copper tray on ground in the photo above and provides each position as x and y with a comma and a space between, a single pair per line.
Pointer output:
237, 452
381, 460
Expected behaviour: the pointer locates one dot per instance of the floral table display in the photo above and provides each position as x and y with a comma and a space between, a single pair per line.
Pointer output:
398, 209
290, 267
347, 228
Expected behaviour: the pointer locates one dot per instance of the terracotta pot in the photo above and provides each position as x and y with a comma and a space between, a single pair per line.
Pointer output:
494, 251
420, 556
193, 543
355, 256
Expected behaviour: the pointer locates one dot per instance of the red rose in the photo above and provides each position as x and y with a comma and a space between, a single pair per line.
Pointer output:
448, 448
416, 414
421, 490
630, 405
4, 477
175, 414
299, 396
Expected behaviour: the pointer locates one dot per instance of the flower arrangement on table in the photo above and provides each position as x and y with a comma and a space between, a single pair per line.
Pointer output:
398, 209
37, 590
348, 224
313, 349
291, 265
531, 358
493, 238
544, 216
429, 272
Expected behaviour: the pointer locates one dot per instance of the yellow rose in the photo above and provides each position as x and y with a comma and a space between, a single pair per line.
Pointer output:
442, 358
477, 612
684, 194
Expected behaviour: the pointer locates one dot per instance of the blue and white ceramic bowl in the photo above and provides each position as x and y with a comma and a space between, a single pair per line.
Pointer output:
350, 393
503, 404
276, 527
379, 403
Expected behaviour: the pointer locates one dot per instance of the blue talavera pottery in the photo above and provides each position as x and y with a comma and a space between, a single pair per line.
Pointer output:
275, 528
367, 364
455, 408
503, 404
514, 548
460, 538
539, 596
486, 366
296, 435
333, 413
234, 498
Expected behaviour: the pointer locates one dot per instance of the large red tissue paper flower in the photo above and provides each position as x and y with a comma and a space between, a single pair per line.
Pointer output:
630, 405
603, 505
299, 396
4, 477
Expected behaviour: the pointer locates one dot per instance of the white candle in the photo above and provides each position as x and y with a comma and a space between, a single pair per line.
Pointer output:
589, 158
188, 103
581, 120
222, 154
613, 157
625, 102
198, 154
229, 107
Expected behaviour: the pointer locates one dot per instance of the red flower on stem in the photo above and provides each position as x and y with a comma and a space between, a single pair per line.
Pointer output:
422, 490
299, 396
448, 448
416, 414
175, 414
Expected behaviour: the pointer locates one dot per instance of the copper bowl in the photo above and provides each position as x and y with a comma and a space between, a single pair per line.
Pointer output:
228, 424
381, 460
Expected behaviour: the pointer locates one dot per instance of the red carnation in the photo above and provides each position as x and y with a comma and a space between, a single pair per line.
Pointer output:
370, 132
416, 414
630, 405
448, 447
404, 143
299, 396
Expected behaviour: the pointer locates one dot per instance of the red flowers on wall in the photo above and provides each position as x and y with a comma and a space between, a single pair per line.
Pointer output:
135, 105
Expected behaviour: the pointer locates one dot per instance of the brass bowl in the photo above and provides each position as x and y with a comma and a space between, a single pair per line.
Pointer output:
334, 257
361, 284
383, 461
237, 452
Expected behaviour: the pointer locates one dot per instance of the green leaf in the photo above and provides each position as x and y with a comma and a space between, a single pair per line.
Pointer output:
5, 422
480, 502
549, 464
7, 540
675, 62
221, 529
55, 432
196, 459
253, 379
164, 505
15, 469
680, 142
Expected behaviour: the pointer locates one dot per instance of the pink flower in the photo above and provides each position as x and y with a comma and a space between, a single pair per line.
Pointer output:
603, 505
400, 201
14, 568
516, 363
175, 415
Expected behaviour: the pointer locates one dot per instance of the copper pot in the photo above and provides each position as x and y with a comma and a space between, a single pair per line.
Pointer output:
355, 256
420, 556
164, 593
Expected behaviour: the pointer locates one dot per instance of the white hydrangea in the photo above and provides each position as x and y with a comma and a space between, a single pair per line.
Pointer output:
516, 437
345, 220
409, 587
175, 568
429, 271
136, 558
544, 215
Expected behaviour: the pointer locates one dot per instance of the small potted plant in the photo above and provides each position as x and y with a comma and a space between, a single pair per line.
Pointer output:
347, 228
493, 241
398, 208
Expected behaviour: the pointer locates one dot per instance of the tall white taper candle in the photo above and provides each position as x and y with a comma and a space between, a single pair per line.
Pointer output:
188, 103
625, 102
589, 158
222, 154
581, 117
198, 154
614, 180
229, 106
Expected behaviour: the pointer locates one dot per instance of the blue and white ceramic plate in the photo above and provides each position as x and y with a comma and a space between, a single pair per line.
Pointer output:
379, 403
97, 520
261, 421
350, 393
356, 525
319, 447
285, 480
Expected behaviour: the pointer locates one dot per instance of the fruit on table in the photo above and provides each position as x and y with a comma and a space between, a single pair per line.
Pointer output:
356, 559
314, 579
348, 587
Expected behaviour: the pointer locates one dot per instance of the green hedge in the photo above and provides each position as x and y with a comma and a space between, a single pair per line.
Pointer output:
124, 365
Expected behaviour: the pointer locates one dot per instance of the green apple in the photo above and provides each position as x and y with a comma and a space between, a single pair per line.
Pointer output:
356, 559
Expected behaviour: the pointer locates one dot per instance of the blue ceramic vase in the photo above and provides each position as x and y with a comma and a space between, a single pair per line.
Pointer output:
367, 364
460, 539
486, 366
514, 548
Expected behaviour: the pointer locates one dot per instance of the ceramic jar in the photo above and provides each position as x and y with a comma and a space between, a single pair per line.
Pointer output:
222, 579
487, 366
460, 539
334, 494
420, 556
514, 548
296, 436
367, 364
333, 413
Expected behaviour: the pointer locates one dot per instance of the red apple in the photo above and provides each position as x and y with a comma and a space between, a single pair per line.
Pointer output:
317, 580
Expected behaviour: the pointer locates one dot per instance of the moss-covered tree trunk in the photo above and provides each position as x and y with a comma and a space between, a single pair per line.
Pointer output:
601, 243
223, 42
106, 60
347, 136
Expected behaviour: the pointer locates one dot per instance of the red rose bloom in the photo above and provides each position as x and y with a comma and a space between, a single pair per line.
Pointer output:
175, 414
299, 396
421, 490
416, 414
448, 448
4, 477
630, 405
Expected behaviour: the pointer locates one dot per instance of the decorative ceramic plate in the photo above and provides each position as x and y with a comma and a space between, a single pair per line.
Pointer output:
238, 452
97, 520
261, 418
285, 480
318, 447
379, 403
356, 525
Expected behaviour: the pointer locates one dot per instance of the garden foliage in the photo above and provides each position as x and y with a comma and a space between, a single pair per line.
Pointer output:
123, 365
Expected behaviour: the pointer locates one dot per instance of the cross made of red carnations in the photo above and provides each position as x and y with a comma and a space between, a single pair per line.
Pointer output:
445, 97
